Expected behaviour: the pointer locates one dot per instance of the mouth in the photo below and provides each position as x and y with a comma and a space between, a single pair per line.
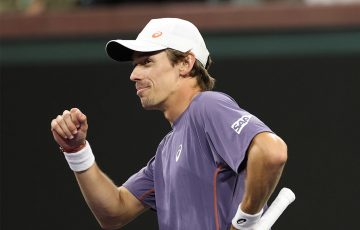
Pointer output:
141, 89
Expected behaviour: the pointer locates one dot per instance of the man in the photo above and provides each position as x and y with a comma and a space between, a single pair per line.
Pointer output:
215, 170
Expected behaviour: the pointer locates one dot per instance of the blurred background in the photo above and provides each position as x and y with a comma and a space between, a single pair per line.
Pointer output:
293, 63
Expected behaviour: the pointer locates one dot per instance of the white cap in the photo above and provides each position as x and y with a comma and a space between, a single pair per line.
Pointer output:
159, 34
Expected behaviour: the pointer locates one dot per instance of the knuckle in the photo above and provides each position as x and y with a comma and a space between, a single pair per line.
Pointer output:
66, 114
59, 118
55, 127
73, 116
53, 123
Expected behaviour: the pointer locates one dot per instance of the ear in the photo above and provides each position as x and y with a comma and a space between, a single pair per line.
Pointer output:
187, 64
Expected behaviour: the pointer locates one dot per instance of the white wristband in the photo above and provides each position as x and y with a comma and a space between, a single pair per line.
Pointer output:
245, 221
81, 160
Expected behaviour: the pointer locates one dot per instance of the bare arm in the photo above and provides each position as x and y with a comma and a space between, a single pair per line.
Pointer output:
113, 207
267, 156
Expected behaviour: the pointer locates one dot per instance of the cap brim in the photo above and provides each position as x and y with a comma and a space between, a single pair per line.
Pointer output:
122, 50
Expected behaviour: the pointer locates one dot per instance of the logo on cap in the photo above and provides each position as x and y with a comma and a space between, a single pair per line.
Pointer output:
157, 34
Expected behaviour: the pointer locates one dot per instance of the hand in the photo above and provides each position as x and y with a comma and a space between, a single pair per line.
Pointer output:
70, 130
232, 228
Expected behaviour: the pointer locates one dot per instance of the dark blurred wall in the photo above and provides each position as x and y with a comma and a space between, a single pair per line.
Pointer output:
296, 68
310, 101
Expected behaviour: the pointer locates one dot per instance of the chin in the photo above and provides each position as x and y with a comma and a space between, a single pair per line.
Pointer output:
148, 105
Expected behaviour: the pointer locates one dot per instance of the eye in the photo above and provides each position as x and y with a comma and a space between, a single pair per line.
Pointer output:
146, 61
142, 62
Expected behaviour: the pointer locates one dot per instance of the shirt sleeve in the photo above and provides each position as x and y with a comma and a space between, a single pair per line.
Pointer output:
141, 185
229, 129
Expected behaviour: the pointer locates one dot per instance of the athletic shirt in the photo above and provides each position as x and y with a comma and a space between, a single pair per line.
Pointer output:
196, 179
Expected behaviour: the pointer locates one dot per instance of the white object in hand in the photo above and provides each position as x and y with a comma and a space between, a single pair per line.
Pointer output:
277, 207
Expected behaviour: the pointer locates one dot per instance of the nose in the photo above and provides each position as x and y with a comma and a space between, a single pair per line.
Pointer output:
136, 74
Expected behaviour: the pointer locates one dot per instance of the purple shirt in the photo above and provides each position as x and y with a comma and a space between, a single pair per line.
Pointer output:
196, 179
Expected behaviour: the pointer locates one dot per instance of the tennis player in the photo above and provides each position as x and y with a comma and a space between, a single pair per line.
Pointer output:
214, 170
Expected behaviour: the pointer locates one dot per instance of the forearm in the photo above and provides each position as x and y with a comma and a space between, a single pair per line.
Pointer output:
261, 182
264, 168
102, 197
112, 206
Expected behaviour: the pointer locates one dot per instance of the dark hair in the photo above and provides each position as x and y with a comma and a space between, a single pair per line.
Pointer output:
204, 80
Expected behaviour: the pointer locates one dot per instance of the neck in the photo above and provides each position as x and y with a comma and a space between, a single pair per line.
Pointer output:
179, 103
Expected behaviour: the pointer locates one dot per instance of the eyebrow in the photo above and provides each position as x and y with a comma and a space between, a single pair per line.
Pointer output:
139, 58
137, 54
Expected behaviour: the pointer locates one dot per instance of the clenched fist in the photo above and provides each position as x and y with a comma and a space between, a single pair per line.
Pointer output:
70, 130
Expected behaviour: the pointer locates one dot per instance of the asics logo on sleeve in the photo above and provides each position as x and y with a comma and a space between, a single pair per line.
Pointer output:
241, 123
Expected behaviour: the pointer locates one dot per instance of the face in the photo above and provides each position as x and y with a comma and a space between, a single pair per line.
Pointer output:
156, 79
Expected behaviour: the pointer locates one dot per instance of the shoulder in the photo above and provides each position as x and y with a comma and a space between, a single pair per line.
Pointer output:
165, 139
214, 106
214, 97
212, 100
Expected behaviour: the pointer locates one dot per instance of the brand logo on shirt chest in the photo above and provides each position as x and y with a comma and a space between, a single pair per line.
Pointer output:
178, 153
